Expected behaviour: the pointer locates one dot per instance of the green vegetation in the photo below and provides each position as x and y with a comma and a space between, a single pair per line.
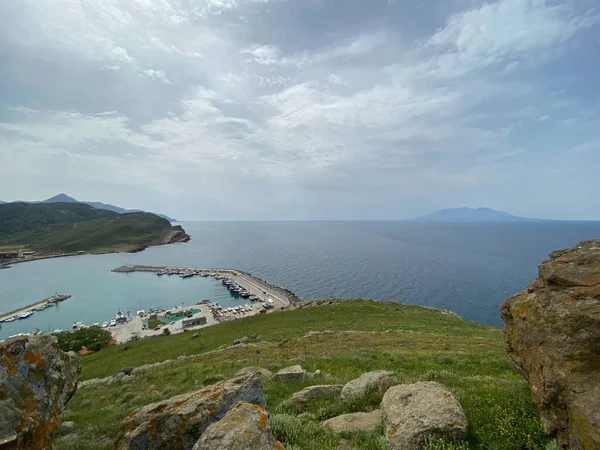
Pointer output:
71, 227
153, 323
92, 338
418, 344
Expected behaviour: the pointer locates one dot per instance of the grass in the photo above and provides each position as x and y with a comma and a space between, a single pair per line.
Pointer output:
154, 322
418, 344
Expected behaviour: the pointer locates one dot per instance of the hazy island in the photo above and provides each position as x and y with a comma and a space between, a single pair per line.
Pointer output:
37, 230
471, 215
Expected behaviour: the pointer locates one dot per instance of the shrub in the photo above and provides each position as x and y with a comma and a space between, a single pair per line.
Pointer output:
93, 338
166, 332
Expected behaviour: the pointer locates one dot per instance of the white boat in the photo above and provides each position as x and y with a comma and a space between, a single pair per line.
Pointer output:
12, 319
113, 323
26, 315
104, 324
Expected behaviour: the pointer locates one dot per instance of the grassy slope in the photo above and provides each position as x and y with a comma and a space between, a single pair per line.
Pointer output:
417, 343
71, 227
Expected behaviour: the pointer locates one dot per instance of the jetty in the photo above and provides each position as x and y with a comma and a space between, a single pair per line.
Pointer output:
255, 286
28, 310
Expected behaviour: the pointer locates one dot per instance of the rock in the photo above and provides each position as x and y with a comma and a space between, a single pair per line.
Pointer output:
37, 380
242, 340
314, 392
245, 426
316, 333
124, 371
359, 386
552, 334
283, 342
413, 412
360, 421
177, 423
257, 371
291, 373
67, 427
195, 335
318, 373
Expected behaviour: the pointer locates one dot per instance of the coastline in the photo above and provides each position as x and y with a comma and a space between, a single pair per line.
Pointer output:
133, 249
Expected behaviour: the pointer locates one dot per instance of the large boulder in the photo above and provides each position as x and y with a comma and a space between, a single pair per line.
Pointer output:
381, 379
413, 412
37, 379
245, 426
314, 392
360, 421
295, 373
178, 423
552, 334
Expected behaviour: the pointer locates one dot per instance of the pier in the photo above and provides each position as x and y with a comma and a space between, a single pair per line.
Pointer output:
259, 288
29, 309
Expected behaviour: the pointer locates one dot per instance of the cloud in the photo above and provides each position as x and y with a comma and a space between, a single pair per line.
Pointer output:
495, 32
290, 100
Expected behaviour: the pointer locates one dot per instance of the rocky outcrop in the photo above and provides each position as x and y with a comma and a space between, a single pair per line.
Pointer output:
413, 412
552, 334
257, 371
178, 423
291, 373
245, 426
360, 421
37, 380
314, 392
381, 379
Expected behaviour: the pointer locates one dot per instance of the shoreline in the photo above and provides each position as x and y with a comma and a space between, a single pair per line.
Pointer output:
8, 264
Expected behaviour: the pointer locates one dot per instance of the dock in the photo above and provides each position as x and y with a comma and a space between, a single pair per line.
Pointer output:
46, 303
257, 287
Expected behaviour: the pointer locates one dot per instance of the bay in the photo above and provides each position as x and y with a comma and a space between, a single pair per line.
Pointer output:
468, 268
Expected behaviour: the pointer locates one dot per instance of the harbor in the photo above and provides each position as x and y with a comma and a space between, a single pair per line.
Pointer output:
238, 282
27, 311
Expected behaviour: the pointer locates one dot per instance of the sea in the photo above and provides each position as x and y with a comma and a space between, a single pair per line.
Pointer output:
467, 268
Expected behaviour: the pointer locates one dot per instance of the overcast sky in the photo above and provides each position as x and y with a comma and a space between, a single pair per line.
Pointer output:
303, 109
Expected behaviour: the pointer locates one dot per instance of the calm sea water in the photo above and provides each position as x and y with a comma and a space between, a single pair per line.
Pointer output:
468, 268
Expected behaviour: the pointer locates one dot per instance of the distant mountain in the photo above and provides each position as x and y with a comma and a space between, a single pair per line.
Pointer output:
2, 203
64, 198
470, 215
60, 198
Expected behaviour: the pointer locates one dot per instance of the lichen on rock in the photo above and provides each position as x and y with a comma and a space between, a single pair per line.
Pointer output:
552, 335
37, 379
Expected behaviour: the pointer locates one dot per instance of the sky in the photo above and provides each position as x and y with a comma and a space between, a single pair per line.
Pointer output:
303, 109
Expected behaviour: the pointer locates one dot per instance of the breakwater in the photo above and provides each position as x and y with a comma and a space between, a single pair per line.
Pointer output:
26, 311
256, 286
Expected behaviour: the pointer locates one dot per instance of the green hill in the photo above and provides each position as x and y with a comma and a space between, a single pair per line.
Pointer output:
417, 343
70, 227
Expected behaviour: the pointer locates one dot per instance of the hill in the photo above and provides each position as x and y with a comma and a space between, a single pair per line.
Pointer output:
49, 228
354, 336
470, 215
64, 198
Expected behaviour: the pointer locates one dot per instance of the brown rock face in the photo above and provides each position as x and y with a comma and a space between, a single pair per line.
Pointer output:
553, 336
177, 423
37, 380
